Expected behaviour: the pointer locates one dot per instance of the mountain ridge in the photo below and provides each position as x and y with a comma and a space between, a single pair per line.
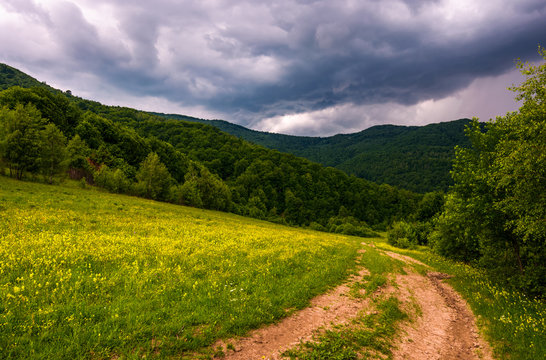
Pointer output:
417, 158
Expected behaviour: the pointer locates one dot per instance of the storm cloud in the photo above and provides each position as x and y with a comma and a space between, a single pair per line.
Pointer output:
306, 67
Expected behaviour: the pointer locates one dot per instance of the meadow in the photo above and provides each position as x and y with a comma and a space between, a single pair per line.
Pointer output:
87, 274
92, 275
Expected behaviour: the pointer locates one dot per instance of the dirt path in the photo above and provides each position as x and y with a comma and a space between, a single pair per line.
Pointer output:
444, 327
334, 307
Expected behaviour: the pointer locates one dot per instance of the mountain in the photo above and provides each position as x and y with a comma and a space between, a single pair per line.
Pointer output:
416, 158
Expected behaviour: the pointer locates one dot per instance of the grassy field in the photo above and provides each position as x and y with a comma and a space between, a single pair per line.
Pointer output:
86, 274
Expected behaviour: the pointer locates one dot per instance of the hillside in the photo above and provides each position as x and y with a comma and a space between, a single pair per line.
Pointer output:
121, 149
416, 158
86, 274
10, 76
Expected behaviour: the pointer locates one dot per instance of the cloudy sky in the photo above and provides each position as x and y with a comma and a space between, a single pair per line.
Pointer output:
306, 67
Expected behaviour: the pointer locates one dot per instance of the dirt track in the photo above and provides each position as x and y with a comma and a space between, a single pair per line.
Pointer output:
443, 327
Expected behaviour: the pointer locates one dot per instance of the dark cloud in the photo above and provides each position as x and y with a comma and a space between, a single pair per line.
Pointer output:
253, 60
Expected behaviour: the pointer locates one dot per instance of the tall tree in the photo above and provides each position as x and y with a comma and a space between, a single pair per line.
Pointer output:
20, 145
153, 178
498, 202
52, 152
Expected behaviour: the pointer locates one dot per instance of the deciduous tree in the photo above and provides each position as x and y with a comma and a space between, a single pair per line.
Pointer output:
154, 179
20, 145
52, 152
496, 211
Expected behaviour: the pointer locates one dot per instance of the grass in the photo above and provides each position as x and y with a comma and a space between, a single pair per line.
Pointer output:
86, 274
514, 324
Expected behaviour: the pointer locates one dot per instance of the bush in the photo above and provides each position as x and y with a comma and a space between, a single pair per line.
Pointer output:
186, 194
400, 235
112, 180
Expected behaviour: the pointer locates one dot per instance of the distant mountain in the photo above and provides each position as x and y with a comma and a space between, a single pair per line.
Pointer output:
417, 158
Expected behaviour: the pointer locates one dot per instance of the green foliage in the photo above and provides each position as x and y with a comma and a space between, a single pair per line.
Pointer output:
455, 233
53, 106
113, 180
495, 211
186, 194
346, 224
10, 76
52, 152
410, 157
77, 153
262, 180
214, 193
406, 235
400, 235
21, 138
429, 207
154, 180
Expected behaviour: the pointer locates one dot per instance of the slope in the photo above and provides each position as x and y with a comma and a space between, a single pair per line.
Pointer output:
86, 274
10, 76
205, 167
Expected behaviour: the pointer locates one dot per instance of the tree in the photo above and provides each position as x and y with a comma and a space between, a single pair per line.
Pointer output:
496, 210
113, 180
20, 146
77, 153
201, 186
52, 152
154, 180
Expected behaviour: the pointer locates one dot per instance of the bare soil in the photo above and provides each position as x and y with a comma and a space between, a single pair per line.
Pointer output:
443, 326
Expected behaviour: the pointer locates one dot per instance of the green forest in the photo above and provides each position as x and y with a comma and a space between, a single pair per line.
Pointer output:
417, 158
492, 216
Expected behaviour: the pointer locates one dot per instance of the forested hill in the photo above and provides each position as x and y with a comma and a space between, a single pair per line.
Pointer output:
417, 158
10, 76
135, 152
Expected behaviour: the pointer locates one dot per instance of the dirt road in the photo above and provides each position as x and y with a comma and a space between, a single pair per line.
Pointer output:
442, 326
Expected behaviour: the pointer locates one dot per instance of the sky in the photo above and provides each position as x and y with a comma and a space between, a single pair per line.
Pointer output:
302, 67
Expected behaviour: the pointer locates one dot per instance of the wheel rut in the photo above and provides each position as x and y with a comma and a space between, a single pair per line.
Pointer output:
443, 326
